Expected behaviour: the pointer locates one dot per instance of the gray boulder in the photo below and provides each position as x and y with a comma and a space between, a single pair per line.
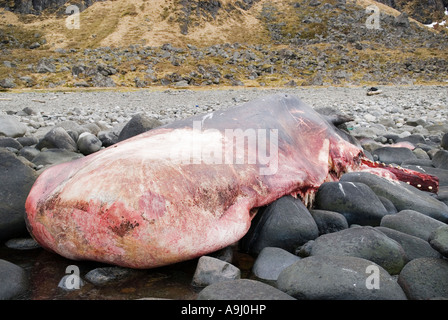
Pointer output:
11, 127
412, 222
7, 142
242, 289
271, 261
286, 223
17, 180
402, 195
13, 279
438, 239
57, 138
329, 221
210, 270
391, 155
88, 143
362, 242
138, 124
413, 247
425, 278
440, 159
355, 201
338, 278
55, 156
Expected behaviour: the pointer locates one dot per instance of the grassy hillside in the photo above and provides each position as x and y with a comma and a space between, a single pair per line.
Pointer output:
266, 42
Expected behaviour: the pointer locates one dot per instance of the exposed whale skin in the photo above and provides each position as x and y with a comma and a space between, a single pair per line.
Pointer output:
169, 195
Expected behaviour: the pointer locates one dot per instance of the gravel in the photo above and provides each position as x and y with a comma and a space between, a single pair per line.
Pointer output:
397, 109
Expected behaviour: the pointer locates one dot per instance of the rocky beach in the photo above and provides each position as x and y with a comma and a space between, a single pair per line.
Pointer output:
369, 238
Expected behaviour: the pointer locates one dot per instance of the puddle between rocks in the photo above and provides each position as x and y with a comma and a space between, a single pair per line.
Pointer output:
45, 270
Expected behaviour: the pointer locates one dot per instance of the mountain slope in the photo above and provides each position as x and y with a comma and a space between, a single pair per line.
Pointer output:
227, 42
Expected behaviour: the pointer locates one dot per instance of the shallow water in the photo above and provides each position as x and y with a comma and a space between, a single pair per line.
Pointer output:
45, 270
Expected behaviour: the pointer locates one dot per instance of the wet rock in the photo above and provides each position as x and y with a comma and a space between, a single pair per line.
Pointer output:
138, 124
17, 180
242, 289
412, 222
362, 242
402, 195
108, 275
13, 279
438, 239
338, 278
391, 155
329, 221
413, 247
354, 200
210, 270
88, 143
271, 261
286, 223
55, 156
11, 127
22, 244
425, 278
57, 138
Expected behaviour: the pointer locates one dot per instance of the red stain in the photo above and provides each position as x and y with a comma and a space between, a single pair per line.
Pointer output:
152, 205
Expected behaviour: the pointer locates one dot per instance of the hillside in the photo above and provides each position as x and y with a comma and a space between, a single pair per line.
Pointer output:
142, 43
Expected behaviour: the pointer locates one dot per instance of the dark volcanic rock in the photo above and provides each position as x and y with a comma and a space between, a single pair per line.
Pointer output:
138, 124
17, 180
425, 278
242, 289
354, 200
402, 195
286, 223
337, 278
14, 280
362, 242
